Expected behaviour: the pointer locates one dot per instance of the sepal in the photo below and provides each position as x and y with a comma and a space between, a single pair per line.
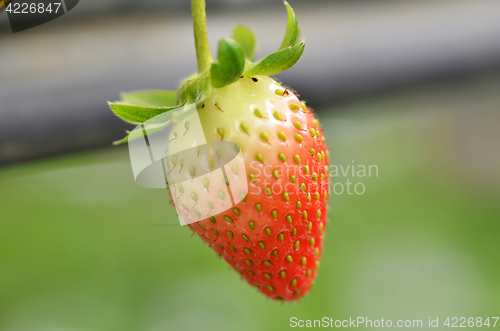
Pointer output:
277, 62
230, 64
292, 29
246, 38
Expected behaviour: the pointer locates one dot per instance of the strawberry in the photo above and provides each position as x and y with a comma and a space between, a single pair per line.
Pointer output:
273, 236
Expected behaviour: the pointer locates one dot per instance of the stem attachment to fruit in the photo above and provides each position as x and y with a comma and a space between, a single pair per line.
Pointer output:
203, 54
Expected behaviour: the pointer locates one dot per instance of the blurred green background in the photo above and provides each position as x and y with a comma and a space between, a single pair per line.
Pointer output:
411, 87
84, 248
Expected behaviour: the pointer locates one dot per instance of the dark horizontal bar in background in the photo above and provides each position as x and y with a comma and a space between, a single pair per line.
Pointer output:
56, 78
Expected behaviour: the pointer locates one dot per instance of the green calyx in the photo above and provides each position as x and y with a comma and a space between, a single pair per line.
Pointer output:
235, 58
236, 55
230, 64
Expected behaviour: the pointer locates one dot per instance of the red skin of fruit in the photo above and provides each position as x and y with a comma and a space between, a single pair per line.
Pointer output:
286, 266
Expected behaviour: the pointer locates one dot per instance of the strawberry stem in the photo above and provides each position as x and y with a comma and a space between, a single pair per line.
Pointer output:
203, 54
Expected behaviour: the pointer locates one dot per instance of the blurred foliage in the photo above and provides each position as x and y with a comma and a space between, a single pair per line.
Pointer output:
84, 248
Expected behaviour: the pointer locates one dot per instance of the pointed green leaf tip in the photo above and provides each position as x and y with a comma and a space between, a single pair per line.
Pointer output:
137, 114
230, 65
277, 62
137, 107
246, 38
292, 29
150, 98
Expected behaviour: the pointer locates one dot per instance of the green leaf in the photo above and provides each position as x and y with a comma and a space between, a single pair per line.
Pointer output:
277, 62
154, 98
137, 114
136, 134
246, 38
121, 141
292, 29
230, 65
158, 122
